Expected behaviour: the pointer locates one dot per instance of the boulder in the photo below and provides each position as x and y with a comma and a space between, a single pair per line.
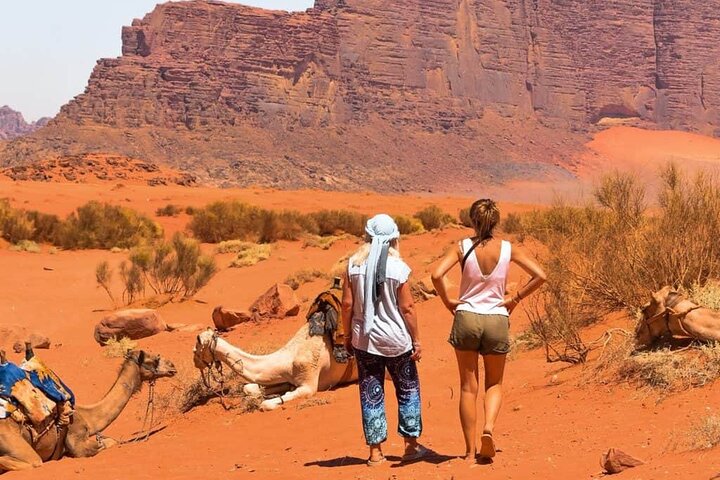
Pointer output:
616, 461
133, 324
278, 302
14, 335
225, 318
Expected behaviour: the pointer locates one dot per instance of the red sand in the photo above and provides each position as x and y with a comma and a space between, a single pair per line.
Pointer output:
553, 424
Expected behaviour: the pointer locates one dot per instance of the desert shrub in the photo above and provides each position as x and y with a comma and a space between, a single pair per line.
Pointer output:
174, 268
225, 221
46, 226
115, 348
408, 225
15, 225
189, 210
324, 243
511, 224
301, 277
169, 210
704, 434
707, 295
251, 254
433, 217
334, 222
230, 394
26, 246
285, 225
101, 225
667, 370
231, 246
464, 216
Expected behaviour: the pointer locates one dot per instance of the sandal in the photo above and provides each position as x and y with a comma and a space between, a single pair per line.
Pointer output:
376, 463
419, 453
487, 445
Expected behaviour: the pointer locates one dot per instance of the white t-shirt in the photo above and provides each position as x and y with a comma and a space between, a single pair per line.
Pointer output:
389, 336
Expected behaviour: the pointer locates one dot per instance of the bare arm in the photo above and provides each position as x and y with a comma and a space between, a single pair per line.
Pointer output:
530, 266
439, 278
347, 311
407, 309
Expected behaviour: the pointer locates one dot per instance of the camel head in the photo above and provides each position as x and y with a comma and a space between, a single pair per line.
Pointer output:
652, 325
203, 355
152, 367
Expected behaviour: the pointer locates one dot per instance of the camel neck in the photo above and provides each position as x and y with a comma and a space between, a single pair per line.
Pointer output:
104, 412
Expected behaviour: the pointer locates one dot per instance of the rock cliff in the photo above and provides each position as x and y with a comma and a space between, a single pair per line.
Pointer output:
352, 89
13, 125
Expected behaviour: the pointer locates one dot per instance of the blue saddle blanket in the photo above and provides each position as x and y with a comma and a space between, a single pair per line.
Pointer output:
41, 378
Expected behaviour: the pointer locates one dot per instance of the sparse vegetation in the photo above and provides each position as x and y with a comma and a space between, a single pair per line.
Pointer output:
234, 220
464, 217
118, 348
251, 254
173, 268
408, 225
26, 246
433, 217
169, 210
324, 243
705, 433
299, 278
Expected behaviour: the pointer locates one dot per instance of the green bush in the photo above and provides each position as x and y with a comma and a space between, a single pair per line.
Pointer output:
433, 217
101, 225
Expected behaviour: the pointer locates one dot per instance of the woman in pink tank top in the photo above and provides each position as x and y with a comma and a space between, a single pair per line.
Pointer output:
481, 323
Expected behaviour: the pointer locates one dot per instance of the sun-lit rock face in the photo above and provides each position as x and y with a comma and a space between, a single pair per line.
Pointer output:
431, 63
389, 94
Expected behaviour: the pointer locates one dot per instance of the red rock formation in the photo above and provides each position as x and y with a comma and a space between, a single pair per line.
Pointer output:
13, 125
358, 90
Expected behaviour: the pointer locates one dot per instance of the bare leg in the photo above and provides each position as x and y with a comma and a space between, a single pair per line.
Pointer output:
468, 368
376, 454
494, 371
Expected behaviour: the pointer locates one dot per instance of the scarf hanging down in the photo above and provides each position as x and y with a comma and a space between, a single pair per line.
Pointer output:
381, 229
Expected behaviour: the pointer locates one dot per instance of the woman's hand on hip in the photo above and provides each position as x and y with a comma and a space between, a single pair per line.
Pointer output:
417, 352
509, 303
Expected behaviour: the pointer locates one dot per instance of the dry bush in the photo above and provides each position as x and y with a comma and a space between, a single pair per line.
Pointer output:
704, 434
230, 394
667, 370
707, 295
232, 246
26, 246
302, 277
408, 225
250, 255
324, 243
169, 210
336, 222
101, 225
433, 217
168, 268
118, 348
15, 226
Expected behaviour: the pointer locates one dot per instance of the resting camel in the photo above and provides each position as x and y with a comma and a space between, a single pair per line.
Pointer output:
83, 435
303, 366
670, 314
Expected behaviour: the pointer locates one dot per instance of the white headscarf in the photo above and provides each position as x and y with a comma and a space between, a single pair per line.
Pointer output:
382, 230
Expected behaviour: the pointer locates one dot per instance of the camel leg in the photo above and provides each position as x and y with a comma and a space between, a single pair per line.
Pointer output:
80, 447
11, 464
256, 390
15, 452
303, 391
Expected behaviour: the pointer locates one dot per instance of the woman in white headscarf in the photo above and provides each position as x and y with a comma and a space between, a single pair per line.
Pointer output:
379, 312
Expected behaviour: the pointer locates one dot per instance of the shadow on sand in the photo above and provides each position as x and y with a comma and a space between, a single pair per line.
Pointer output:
432, 458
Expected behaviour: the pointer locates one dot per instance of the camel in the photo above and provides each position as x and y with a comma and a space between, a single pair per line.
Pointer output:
304, 366
670, 314
82, 439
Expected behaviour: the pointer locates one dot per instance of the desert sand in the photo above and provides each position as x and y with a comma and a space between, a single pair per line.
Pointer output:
554, 423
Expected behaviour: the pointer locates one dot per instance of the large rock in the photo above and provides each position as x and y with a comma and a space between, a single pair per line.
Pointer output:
616, 461
13, 125
482, 79
133, 324
16, 335
278, 302
225, 318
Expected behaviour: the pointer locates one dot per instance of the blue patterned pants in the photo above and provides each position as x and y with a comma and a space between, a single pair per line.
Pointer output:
371, 370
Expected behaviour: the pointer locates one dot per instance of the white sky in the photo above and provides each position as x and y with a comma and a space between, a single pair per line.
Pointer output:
49, 47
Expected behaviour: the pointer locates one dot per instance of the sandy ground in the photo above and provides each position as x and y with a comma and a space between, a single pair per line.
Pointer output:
555, 422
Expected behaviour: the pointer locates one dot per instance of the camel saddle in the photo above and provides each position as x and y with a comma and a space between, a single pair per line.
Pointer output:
33, 392
325, 318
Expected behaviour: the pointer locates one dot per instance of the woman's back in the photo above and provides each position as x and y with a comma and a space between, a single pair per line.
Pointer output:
484, 276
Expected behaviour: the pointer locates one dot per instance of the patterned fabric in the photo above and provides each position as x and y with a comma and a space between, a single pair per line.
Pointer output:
10, 374
47, 381
371, 370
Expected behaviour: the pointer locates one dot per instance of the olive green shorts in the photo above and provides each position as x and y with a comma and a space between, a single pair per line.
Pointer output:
485, 334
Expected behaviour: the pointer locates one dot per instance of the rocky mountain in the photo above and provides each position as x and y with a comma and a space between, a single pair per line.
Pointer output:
13, 125
390, 94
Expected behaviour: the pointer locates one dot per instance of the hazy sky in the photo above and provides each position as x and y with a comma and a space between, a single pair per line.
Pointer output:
49, 47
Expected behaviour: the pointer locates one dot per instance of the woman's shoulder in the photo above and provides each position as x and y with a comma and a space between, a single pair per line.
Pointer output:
398, 268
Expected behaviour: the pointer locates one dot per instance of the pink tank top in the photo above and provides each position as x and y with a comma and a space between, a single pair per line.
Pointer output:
481, 293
